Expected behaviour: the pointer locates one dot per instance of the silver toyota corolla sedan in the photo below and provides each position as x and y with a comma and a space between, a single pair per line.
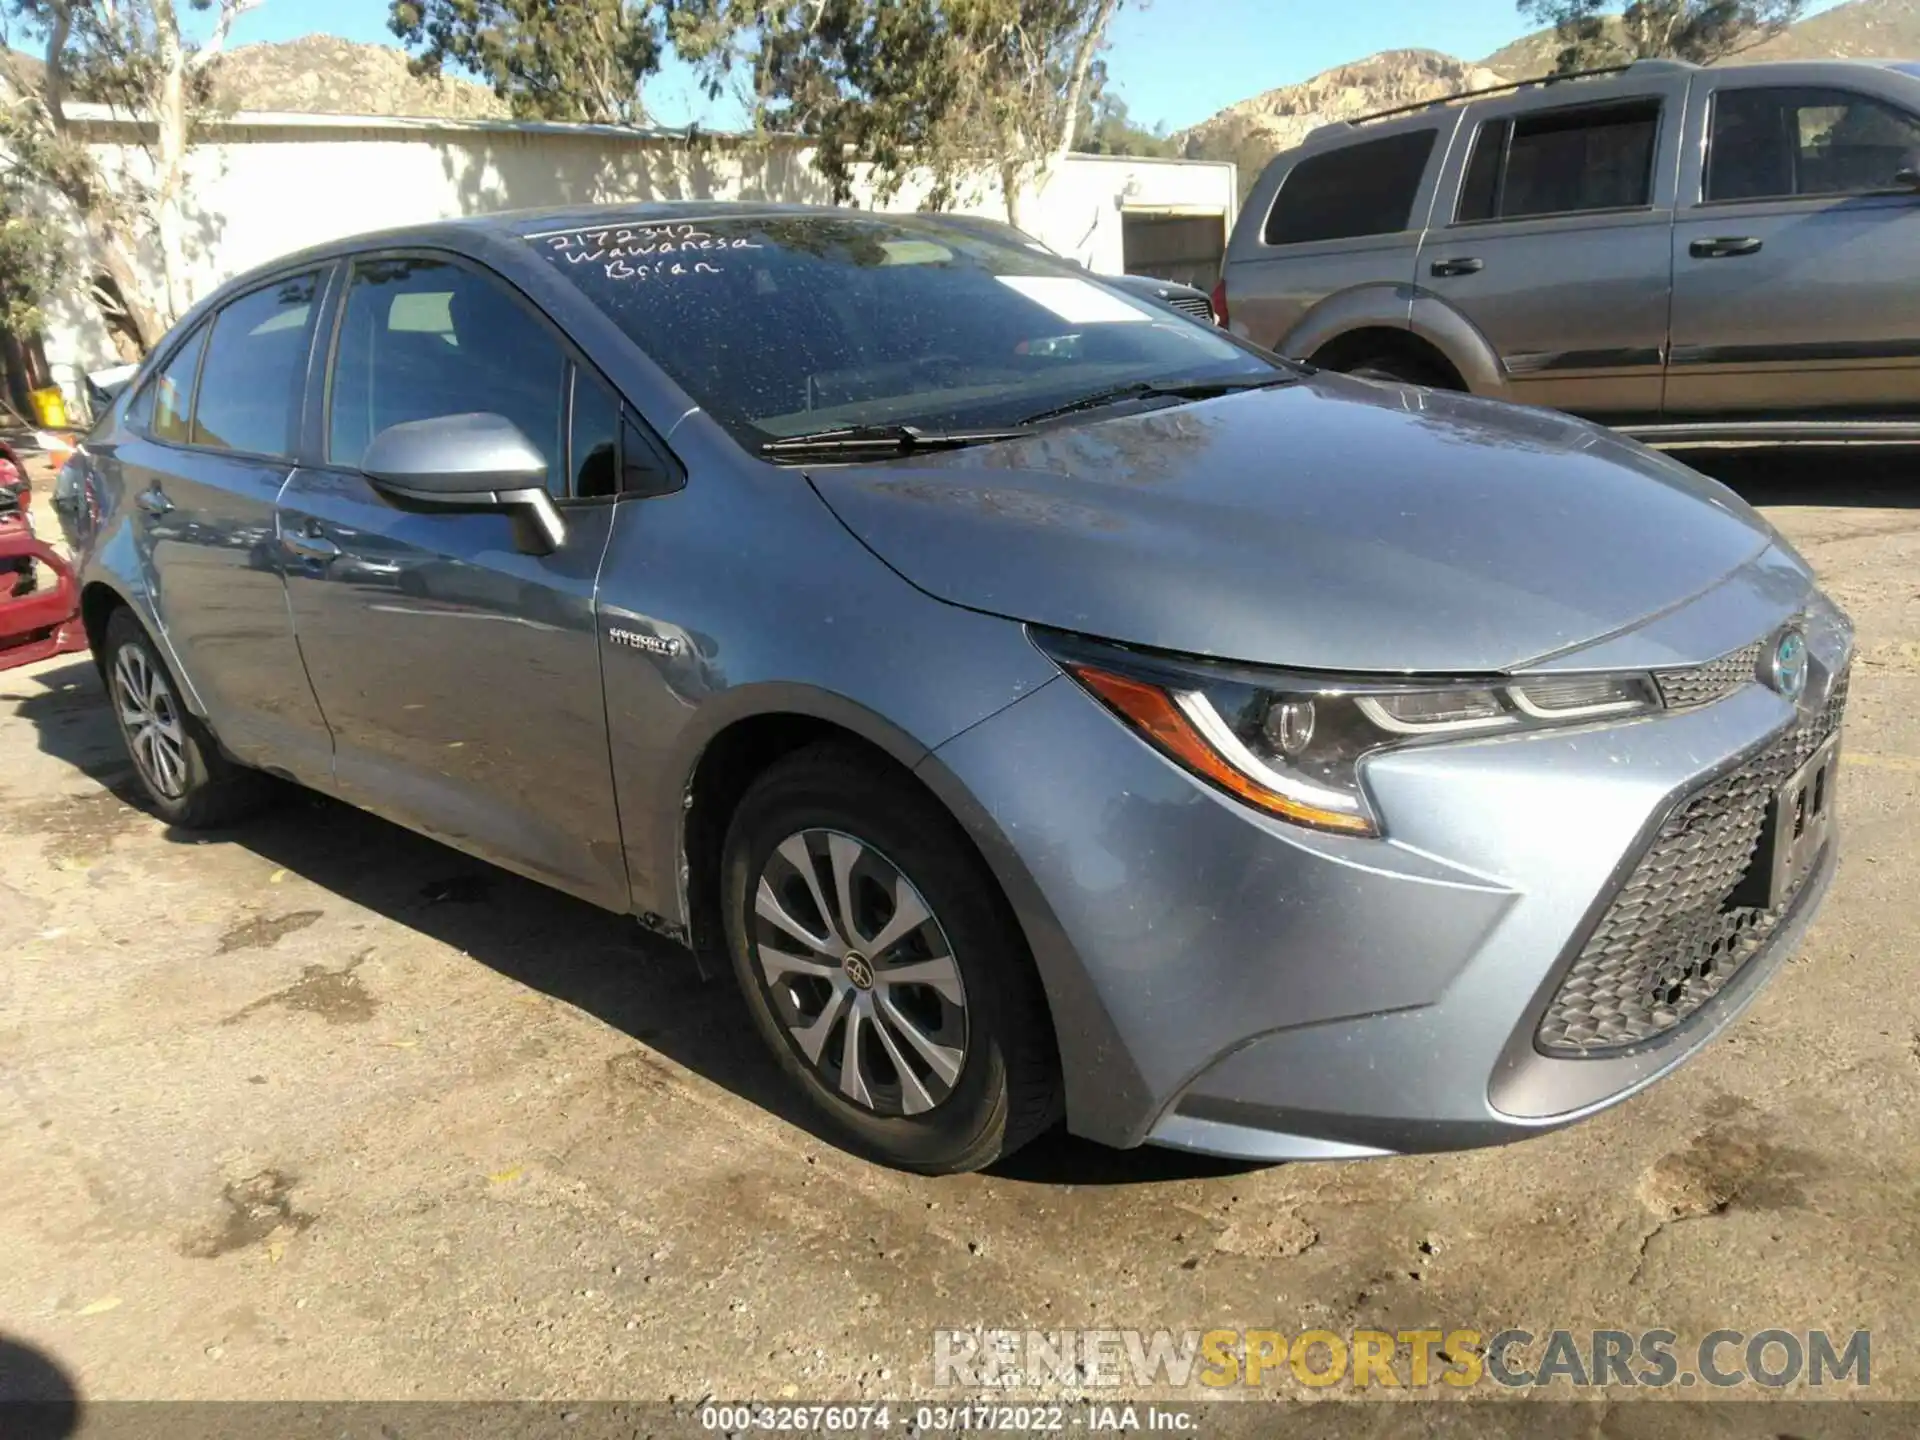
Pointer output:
1047, 705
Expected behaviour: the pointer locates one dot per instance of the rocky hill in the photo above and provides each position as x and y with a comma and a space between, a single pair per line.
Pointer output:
1251, 132
321, 75
1861, 29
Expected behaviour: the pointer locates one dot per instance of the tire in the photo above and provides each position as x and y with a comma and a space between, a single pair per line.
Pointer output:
1398, 370
832, 811
181, 769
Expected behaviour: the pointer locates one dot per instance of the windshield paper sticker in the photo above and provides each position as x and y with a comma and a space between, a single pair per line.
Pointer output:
643, 252
1076, 301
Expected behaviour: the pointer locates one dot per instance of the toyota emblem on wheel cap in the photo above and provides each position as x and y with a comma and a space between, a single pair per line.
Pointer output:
1787, 666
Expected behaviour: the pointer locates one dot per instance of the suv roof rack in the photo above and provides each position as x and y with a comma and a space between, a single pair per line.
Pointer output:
1636, 67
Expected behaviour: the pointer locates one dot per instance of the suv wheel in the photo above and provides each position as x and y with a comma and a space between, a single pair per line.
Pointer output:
180, 766
882, 967
1398, 370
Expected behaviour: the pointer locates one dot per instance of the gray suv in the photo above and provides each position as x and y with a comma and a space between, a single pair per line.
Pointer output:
1044, 703
1690, 255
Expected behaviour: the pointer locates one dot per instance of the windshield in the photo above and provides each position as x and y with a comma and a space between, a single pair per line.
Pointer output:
789, 325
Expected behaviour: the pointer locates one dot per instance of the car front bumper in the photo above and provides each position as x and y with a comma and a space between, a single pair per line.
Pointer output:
1225, 982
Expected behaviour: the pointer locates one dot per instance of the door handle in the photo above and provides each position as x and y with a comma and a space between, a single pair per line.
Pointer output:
1722, 247
309, 545
154, 501
1466, 265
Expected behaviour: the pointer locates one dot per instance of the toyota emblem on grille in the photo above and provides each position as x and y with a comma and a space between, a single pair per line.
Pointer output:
1786, 669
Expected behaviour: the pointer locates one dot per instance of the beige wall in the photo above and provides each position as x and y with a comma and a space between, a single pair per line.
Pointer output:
267, 185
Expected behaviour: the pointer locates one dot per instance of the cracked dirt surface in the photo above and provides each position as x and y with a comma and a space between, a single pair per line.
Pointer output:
317, 1108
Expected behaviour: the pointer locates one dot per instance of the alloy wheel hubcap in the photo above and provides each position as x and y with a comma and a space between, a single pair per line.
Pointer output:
151, 720
860, 973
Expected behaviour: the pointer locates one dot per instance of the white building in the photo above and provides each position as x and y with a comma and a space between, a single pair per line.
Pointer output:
261, 185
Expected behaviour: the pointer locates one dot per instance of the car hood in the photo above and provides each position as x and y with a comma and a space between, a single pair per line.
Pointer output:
1328, 525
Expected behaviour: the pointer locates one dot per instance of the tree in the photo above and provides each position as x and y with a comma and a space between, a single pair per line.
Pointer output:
583, 60
132, 56
908, 88
1591, 35
1106, 128
32, 259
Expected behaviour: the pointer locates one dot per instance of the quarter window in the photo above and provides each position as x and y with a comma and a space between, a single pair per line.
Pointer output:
1365, 189
424, 338
164, 409
1562, 162
595, 442
1775, 143
256, 371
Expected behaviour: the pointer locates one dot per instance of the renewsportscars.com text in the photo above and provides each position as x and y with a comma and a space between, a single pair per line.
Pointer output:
1367, 1359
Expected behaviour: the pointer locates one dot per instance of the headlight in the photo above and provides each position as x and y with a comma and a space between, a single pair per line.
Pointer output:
1292, 744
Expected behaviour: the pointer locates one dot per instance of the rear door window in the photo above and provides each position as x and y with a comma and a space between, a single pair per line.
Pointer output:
1768, 144
1365, 189
421, 338
1562, 162
256, 372
165, 406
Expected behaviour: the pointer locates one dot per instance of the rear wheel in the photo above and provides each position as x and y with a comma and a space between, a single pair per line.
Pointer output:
882, 966
180, 766
1399, 370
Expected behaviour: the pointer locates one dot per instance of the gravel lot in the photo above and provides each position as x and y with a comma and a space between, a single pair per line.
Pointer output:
320, 1109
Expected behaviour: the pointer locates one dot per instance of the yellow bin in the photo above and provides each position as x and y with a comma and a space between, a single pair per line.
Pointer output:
50, 408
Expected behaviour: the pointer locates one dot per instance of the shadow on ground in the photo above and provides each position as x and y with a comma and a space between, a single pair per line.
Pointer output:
583, 956
1864, 477
38, 1400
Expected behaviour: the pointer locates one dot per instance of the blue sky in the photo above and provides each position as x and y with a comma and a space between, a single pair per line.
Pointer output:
1172, 61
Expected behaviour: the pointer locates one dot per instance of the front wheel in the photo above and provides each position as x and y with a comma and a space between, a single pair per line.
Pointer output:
883, 968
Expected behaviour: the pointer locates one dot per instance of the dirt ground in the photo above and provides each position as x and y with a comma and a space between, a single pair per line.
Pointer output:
317, 1108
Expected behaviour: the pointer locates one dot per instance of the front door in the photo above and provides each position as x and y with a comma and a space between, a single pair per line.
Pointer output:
204, 469
460, 676
1794, 275
1557, 250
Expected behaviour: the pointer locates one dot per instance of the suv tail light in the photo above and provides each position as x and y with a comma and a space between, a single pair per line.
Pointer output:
1220, 301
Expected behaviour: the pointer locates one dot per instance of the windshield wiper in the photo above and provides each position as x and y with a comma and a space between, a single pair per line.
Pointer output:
1155, 389
885, 441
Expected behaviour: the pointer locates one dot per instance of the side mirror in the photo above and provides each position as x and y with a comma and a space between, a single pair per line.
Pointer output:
475, 462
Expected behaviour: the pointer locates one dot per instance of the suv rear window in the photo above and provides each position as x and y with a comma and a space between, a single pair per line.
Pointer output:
1562, 162
1356, 190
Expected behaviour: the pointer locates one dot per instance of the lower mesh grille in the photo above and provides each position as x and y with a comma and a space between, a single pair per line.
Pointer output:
1671, 941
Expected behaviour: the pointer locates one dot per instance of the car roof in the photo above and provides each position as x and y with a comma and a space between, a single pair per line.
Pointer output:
477, 235
550, 219
481, 232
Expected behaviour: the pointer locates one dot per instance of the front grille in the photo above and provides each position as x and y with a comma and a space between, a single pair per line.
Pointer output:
1704, 684
1194, 305
1671, 940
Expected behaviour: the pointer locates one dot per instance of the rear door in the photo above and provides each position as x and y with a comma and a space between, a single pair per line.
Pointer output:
1335, 221
212, 435
460, 676
1796, 260
1557, 245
